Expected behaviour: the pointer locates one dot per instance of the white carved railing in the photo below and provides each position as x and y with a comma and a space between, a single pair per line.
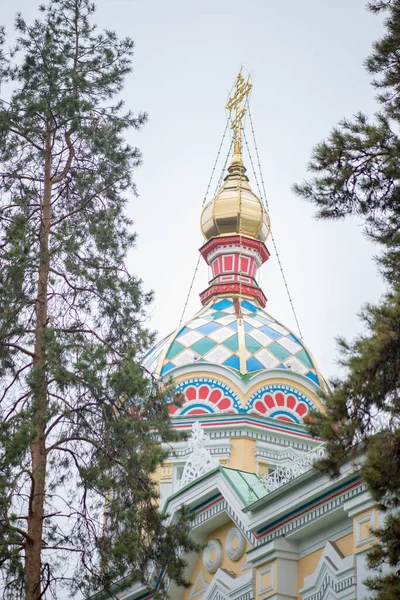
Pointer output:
290, 470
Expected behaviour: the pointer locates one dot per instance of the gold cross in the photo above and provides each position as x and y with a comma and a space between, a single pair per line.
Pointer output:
235, 103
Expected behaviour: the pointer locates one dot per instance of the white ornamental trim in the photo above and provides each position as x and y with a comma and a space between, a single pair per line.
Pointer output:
200, 460
313, 515
212, 556
290, 470
235, 544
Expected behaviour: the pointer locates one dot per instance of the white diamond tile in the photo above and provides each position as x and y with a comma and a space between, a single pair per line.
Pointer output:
218, 355
190, 337
228, 309
227, 320
262, 338
197, 323
247, 354
294, 364
290, 345
220, 335
268, 360
253, 322
186, 357
279, 328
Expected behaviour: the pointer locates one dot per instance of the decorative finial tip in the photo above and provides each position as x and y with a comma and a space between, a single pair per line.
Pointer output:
236, 104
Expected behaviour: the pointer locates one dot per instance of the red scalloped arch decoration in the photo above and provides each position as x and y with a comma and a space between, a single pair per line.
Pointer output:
212, 398
285, 407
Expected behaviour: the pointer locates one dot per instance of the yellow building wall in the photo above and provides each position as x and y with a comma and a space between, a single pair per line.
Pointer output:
227, 564
266, 577
307, 565
163, 474
345, 544
242, 455
365, 529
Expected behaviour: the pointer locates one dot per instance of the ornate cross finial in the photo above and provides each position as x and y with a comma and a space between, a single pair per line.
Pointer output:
235, 103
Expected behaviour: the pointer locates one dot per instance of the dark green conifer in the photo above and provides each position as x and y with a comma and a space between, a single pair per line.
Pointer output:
356, 171
78, 414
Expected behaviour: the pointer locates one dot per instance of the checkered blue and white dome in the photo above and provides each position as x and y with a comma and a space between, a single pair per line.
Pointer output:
215, 335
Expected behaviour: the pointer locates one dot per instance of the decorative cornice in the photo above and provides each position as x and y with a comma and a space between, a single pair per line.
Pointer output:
309, 512
230, 240
233, 289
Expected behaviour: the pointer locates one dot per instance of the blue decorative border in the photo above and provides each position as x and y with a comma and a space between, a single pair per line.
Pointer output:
215, 384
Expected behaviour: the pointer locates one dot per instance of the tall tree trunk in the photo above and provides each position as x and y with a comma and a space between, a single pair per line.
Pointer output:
40, 400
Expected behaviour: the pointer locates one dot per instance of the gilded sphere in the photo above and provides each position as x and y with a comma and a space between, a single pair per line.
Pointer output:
235, 209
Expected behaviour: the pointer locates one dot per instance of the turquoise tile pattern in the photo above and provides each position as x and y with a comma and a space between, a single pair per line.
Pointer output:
212, 336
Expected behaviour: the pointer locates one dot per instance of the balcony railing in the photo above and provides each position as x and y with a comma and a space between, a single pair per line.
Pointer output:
290, 470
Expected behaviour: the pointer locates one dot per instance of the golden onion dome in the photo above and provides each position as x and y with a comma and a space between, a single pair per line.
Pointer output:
235, 210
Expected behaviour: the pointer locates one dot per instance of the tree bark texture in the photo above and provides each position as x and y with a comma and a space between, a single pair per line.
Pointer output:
40, 398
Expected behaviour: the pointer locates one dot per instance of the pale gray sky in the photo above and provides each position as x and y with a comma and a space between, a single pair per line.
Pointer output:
306, 64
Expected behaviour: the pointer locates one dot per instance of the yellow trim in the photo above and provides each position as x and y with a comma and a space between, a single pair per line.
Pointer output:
262, 468
166, 470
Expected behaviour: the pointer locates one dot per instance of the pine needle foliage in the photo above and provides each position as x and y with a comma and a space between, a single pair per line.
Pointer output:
356, 171
78, 452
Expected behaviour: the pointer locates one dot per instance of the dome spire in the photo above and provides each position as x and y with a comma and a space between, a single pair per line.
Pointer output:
236, 210
235, 224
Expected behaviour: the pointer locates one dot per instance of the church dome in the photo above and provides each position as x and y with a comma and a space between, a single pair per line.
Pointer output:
238, 335
235, 209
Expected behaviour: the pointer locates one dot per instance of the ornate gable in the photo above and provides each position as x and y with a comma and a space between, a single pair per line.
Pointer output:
333, 579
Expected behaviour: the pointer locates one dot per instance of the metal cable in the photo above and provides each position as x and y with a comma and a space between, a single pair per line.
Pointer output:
221, 177
240, 238
264, 198
202, 204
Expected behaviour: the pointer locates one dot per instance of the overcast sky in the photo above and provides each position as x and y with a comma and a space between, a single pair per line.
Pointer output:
305, 59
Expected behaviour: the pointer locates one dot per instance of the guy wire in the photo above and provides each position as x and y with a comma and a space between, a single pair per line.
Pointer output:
202, 204
264, 198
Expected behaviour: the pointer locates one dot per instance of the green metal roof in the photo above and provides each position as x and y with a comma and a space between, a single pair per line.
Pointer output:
244, 484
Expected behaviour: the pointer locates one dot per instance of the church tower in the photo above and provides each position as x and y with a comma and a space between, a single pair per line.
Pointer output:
272, 527
239, 370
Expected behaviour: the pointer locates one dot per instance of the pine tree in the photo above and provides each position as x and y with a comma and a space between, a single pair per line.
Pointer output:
77, 445
356, 171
